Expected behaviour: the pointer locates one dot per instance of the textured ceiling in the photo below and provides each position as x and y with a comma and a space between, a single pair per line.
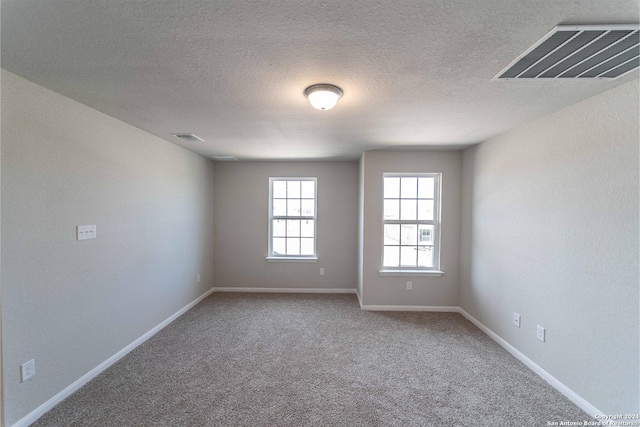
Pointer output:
414, 73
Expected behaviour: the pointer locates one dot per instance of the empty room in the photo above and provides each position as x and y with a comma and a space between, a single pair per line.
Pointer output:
320, 213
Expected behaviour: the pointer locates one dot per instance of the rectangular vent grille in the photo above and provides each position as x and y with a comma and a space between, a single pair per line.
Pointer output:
188, 137
583, 52
226, 158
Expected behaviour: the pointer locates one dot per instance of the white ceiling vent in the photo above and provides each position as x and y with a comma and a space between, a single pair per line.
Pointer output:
225, 158
189, 137
578, 51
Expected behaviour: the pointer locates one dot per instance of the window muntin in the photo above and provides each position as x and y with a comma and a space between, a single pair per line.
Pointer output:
411, 221
292, 217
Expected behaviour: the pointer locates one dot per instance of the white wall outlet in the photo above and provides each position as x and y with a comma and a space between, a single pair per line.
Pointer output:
516, 319
540, 333
84, 232
322, 271
27, 370
198, 278
409, 286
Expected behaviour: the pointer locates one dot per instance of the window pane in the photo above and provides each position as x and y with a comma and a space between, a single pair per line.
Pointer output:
408, 256
409, 188
306, 247
279, 189
408, 209
293, 189
307, 207
307, 228
426, 187
293, 246
391, 209
279, 246
279, 228
425, 256
413, 243
279, 207
392, 234
425, 234
293, 207
293, 228
425, 210
391, 188
409, 234
391, 256
308, 190
292, 198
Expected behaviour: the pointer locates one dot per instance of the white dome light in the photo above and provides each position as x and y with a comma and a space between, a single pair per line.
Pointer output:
323, 96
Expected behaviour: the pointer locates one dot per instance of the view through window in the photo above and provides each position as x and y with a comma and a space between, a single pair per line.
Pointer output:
411, 221
292, 217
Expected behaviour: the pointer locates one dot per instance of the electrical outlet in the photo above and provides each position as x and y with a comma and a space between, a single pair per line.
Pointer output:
540, 333
409, 286
198, 278
322, 271
516, 319
27, 370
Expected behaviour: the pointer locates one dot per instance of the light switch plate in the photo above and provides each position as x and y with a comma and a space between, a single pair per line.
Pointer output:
84, 232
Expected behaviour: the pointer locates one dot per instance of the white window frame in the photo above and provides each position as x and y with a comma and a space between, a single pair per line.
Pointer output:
436, 222
278, 257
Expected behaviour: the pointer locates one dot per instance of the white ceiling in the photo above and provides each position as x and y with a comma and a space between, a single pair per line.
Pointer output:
415, 73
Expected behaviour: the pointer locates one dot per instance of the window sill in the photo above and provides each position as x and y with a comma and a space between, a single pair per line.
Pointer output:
426, 273
290, 259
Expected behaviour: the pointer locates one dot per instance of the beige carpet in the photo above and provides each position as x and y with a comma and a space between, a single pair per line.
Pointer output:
314, 360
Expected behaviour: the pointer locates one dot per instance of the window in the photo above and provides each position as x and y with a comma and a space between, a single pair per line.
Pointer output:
292, 218
411, 222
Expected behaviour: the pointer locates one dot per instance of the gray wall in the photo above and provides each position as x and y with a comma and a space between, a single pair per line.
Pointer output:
427, 291
241, 226
72, 304
550, 231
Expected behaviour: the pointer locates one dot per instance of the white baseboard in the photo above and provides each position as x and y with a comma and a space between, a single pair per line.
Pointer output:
553, 381
438, 308
49, 404
289, 290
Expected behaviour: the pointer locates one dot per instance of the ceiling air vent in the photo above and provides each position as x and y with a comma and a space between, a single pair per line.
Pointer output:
578, 51
225, 158
189, 137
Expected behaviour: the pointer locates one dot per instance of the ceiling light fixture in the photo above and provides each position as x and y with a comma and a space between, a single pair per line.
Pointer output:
323, 96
